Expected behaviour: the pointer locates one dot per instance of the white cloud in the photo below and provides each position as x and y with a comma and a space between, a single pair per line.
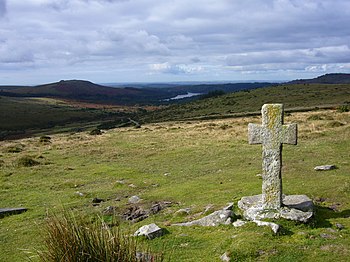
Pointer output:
185, 37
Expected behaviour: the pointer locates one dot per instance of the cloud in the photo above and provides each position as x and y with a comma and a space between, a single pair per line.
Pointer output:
2, 8
168, 68
178, 38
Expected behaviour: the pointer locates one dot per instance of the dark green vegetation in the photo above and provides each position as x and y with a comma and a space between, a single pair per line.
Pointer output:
22, 116
294, 97
77, 239
207, 164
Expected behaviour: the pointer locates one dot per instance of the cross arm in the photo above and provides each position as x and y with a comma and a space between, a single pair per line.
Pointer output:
254, 134
289, 134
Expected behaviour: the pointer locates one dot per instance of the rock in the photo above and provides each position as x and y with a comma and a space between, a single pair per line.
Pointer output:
183, 211
132, 185
275, 227
150, 231
229, 206
296, 207
11, 211
225, 257
97, 200
134, 199
327, 236
239, 223
221, 217
325, 167
79, 193
137, 213
339, 226
208, 208
110, 210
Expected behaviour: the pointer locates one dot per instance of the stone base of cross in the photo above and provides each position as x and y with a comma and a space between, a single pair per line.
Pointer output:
272, 203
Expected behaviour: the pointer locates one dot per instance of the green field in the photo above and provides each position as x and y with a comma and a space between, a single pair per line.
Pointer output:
192, 164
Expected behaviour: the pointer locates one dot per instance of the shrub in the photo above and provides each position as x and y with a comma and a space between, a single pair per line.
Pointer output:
27, 161
45, 139
71, 238
343, 108
95, 132
14, 149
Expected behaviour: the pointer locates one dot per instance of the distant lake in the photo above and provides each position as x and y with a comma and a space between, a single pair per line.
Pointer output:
189, 94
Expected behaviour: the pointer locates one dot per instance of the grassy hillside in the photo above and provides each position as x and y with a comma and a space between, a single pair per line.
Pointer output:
21, 115
195, 164
294, 97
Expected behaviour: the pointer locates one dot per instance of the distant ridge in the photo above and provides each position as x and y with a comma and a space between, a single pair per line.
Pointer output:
334, 78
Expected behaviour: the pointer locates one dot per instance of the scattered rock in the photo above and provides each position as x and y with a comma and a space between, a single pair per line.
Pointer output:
137, 213
327, 236
221, 217
97, 200
339, 226
132, 185
134, 200
225, 257
166, 174
259, 175
79, 193
183, 211
239, 223
110, 210
325, 167
275, 227
150, 231
229, 206
11, 211
144, 257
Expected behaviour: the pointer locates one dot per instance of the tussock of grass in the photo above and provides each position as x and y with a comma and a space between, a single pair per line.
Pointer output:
27, 161
71, 239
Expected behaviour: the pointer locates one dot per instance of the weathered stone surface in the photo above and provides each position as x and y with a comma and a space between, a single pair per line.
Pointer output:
11, 211
239, 223
150, 231
275, 227
136, 212
134, 199
272, 134
221, 217
295, 207
225, 257
325, 167
183, 211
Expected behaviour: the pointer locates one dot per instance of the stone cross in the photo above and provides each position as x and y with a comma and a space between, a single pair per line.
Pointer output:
272, 134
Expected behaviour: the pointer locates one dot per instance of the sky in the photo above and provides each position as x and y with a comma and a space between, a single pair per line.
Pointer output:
107, 41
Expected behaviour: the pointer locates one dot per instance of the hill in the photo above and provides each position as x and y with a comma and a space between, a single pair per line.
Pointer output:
87, 91
293, 96
336, 78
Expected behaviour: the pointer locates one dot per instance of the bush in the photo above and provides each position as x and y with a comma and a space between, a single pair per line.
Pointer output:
95, 132
27, 161
45, 139
72, 238
343, 108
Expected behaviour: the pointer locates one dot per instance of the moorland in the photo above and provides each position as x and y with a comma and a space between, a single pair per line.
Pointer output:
192, 155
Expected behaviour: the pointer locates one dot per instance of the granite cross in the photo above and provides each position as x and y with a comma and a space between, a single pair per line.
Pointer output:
272, 134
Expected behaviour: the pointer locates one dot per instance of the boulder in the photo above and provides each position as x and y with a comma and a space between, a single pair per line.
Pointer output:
221, 217
275, 227
325, 167
150, 231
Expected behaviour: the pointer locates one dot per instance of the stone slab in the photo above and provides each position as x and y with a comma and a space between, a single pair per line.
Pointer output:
295, 207
11, 211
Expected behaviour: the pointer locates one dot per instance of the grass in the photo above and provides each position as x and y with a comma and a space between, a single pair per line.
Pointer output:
72, 239
205, 162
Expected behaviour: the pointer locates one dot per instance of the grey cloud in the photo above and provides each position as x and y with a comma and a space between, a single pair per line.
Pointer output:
3, 8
